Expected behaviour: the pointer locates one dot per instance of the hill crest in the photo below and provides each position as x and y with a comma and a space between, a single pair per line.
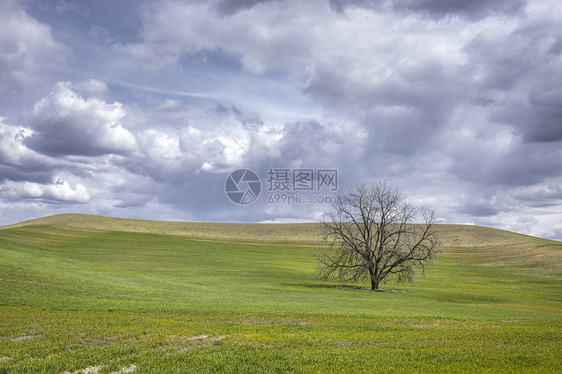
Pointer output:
452, 235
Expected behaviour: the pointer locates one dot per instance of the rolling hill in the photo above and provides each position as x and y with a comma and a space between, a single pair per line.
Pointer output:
109, 295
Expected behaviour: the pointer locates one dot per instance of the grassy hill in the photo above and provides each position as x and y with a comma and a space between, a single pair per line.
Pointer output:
110, 294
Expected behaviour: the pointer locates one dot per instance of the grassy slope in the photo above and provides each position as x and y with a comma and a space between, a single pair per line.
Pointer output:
87, 290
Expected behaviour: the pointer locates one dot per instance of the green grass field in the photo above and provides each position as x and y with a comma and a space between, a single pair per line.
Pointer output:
82, 293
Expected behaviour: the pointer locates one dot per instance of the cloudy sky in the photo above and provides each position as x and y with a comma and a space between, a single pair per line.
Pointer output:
142, 108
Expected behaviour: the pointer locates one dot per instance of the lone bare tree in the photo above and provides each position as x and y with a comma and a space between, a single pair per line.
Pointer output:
372, 235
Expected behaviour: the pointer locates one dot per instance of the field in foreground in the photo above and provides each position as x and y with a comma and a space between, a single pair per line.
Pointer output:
83, 293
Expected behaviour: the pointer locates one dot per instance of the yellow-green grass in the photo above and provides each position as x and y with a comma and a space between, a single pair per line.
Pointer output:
80, 291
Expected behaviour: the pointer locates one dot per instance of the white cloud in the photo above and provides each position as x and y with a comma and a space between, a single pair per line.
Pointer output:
12, 148
65, 123
26, 47
90, 88
59, 192
17, 162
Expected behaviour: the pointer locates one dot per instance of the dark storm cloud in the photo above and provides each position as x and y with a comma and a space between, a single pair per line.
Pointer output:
135, 195
520, 74
472, 9
118, 19
479, 209
546, 196
538, 117
233, 6
341, 5
407, 113
29, 173
312, 143
521, 165
248, 119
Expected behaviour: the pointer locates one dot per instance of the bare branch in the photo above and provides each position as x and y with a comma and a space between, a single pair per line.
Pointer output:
371, 234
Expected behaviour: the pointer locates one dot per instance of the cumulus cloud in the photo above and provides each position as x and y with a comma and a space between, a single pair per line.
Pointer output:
65, 123
59, 191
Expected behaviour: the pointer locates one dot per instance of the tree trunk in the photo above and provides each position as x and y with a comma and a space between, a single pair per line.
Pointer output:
374, 280
374, 284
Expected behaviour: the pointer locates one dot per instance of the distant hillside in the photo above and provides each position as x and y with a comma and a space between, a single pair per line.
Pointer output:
493, 246
293, 233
